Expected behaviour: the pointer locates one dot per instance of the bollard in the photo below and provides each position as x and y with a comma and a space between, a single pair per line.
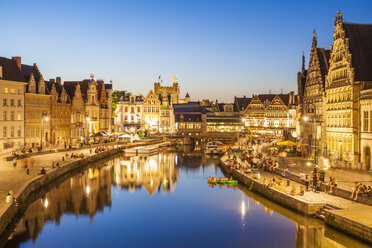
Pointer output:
63, 158
288, 182
28, 171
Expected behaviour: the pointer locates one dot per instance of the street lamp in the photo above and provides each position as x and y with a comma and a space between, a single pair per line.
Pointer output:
87, 131
43, 117
306, 118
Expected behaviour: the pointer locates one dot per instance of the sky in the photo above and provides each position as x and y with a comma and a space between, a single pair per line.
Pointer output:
216, 49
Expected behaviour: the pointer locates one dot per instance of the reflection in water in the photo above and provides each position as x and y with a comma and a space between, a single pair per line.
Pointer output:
247, 217
152, 173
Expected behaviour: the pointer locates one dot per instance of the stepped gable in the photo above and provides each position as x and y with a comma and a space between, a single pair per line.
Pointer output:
11, 71
70, 87
323, 56
360, 45
241, 103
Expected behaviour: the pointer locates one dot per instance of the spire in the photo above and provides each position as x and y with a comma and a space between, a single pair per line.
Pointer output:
338, 19
314, 40
303, 64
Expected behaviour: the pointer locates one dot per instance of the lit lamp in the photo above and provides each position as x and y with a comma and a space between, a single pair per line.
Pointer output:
306, 118
43, 118
87, 132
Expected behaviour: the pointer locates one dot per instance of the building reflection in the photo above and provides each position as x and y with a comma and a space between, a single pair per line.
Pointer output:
153, 173
89, 192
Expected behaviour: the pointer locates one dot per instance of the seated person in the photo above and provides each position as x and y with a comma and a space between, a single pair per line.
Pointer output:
279, 181
333, 184
43, 171
9, 198
302, 191
293, 190
356, 191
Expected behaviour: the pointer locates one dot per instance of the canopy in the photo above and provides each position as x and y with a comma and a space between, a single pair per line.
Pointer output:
125, 136
287, 143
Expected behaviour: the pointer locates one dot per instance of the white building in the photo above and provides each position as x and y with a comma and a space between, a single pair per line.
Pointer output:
12, 95
129, 113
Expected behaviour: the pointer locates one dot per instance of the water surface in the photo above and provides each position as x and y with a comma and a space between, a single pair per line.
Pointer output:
163, 201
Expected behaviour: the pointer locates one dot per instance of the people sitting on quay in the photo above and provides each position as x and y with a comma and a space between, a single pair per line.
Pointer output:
361, 189
10, 198
332, 184
301, 191
256, 175
43, 171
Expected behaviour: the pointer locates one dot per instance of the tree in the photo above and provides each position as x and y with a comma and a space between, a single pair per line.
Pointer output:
116, 95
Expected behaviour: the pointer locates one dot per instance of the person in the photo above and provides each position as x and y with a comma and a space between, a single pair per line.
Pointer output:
293, 190
355, 191
43, 171
333, 184
14, 162
9, 198
302, 191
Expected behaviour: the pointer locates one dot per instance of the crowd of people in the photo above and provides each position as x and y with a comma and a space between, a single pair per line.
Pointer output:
360, 189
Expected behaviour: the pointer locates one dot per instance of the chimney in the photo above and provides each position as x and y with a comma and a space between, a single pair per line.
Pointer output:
1, 72
58, 80
17, 59
244, 96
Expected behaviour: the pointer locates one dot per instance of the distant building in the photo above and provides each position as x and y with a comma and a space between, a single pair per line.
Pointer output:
129, 113
12, 94
272, 115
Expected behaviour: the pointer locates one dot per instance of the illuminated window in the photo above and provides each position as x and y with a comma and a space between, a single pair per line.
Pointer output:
6, 91
12, 91
190, 126
19, 116
182, 125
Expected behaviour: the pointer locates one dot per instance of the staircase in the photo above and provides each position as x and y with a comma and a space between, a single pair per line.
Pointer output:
321, 213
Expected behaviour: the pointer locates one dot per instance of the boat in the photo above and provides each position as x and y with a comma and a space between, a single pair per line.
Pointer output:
142, 150
213, 147
212, 182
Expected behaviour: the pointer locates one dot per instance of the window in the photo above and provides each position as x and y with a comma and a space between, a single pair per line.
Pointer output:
5, 114
5, 102
365, 126
4, 132
189, 126
19, 92
132, 110
12, 103
12, 115
19, 116
370, 121
19, 131
12, 91
182, 125
12, 131
6, 91
138, 109
19, 103
126, 109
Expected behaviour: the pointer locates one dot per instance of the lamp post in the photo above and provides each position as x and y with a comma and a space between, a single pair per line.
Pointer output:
43, 117
306, 118
87, 130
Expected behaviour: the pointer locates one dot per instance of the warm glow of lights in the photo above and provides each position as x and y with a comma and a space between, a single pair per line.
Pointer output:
243, 209
46, 203
308, 163
46, 119
306, 118
151, 182
87, 189
137, 174
117, 180
88, 119
165, 181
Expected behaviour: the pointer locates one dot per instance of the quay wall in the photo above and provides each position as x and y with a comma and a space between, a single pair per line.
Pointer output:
8, 212
348, 226
282, 198
332, 218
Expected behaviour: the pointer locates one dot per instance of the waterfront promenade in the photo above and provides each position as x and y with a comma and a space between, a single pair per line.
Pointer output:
349, 216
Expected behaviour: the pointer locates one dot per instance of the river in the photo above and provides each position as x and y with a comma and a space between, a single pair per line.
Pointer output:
163, 201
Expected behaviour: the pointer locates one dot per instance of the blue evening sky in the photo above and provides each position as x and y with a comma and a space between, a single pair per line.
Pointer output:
216, 49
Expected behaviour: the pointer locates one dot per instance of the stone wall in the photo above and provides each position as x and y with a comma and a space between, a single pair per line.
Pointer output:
8, 212
282, 198
348, 226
